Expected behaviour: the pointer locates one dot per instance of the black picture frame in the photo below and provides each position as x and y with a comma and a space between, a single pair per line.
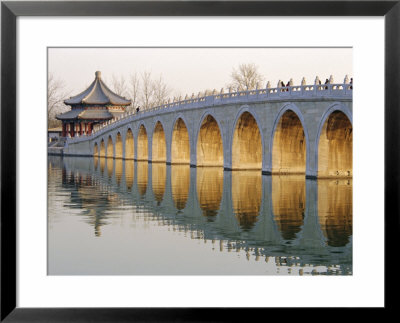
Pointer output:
10, 10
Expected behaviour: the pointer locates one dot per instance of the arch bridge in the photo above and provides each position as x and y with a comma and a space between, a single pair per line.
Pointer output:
303, 129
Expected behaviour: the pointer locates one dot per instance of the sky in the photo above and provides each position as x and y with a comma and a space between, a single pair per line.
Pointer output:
190, 70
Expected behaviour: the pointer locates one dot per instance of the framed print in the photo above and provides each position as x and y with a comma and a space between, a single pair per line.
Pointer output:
194, 152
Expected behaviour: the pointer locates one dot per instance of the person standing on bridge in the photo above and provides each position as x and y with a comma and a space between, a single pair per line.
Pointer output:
283, 86
137, 109
326, 82
287, 86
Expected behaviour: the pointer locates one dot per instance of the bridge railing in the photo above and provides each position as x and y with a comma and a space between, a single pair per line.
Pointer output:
344, 90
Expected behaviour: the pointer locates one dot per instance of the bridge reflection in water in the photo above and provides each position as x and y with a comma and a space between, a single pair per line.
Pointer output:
299, 225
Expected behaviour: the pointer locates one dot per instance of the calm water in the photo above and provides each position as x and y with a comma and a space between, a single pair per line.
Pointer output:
115, 217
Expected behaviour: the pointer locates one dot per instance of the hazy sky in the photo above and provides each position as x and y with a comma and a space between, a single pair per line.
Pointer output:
190, 70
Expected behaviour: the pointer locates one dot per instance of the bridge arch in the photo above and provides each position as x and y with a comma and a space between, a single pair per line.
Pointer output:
102, 148
142, 143
334, 143
96, 150
247, 141
159, 144
118, 146
209, 147
110, 147
129, 144
289, 142
180, 142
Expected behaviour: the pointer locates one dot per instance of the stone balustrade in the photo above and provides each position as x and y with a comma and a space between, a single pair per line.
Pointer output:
286, 93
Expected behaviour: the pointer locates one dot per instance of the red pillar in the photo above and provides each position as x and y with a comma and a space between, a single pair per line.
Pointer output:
90, 127
72, 126
80, 128
63, 129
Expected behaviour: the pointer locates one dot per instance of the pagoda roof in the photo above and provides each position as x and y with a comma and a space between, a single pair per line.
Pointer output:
97, 93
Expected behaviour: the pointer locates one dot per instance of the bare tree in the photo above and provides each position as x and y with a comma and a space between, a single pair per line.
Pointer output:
119, 85
245, 77
134, 87
160, 91
147, 90
56, 94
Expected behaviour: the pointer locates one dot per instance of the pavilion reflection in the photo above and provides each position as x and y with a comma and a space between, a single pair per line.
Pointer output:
88, 196
288, 203
335, 210
246, 197
209, 189
158, 181
180, 185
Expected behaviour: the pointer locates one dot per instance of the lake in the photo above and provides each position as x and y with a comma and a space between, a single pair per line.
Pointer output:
123, 217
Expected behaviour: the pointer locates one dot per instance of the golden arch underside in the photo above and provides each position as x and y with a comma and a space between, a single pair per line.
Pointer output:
142, 145
159, 145
110, 148
180, 146
102, 149
129, 145
210, 150
118, 146
288, 155
335, 149
95, 150
246, 146
289, 146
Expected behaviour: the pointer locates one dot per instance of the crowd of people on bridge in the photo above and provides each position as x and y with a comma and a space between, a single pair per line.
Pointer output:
285, 88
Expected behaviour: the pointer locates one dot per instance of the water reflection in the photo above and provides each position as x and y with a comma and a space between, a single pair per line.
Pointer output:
118, 170
289, 221
129, 173
110, 166
142, 177
335, 210
158, 180
102, 164
88, 196
180, 185
96, 162
246, 197
209, 190
289, 200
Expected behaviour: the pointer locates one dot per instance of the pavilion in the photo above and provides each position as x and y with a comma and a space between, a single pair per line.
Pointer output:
97, 104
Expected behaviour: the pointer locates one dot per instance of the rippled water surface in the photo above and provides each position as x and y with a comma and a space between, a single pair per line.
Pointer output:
121, 217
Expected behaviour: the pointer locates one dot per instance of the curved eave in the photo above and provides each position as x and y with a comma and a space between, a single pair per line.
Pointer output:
119, 103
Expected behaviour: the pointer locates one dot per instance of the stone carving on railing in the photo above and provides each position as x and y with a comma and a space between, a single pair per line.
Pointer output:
202, 100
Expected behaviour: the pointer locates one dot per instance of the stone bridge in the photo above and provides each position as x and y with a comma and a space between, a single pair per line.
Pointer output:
303, 129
